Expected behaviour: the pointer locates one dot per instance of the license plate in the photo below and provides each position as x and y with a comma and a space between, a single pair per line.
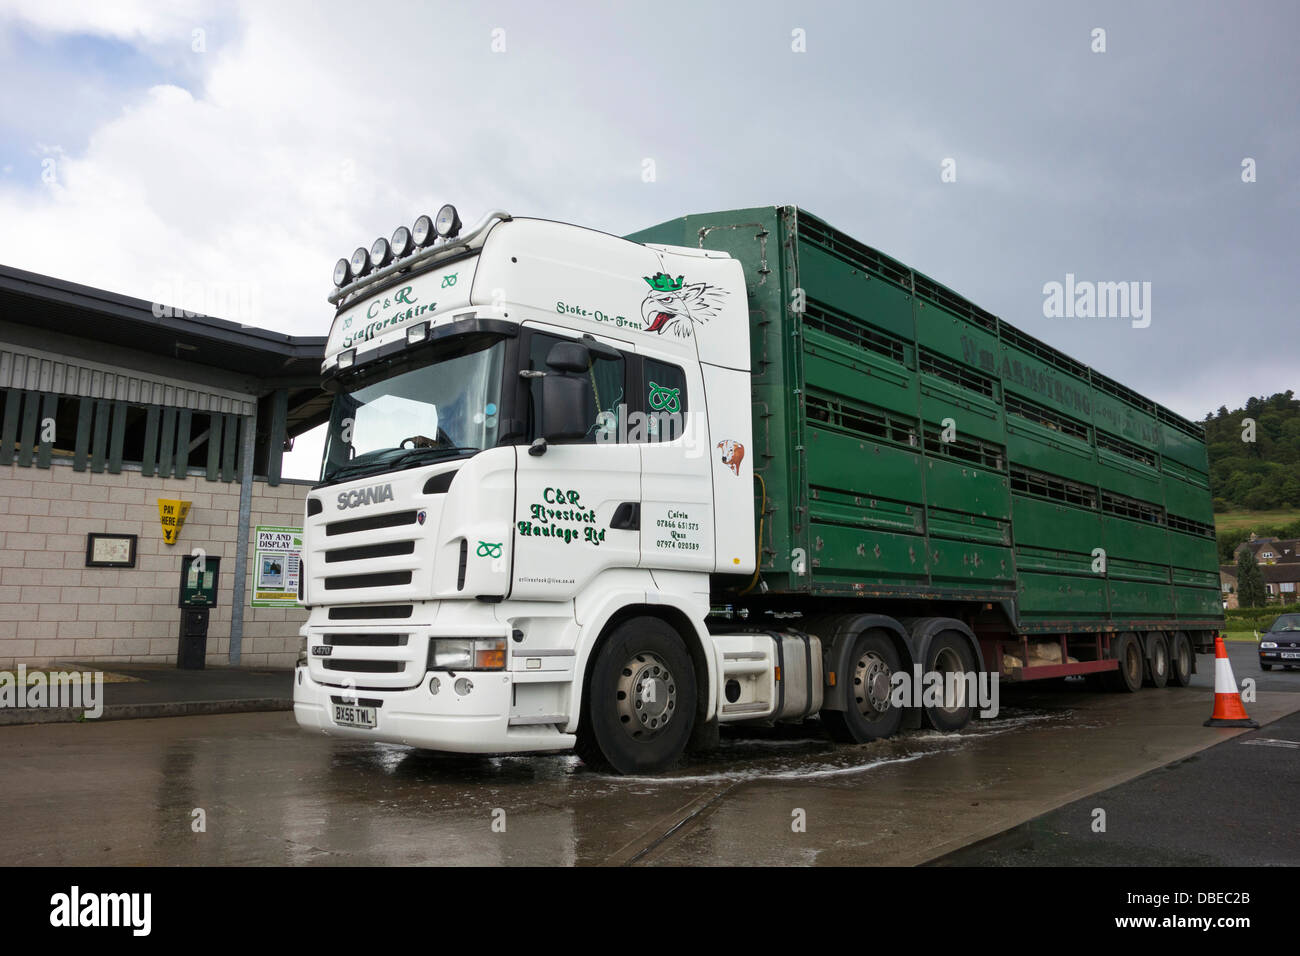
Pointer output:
349, 715
1291, 655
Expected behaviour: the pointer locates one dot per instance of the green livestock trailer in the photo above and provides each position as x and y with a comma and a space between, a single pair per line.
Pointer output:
917, 455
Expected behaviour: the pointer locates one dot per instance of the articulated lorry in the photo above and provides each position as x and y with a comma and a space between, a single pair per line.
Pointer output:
607, 494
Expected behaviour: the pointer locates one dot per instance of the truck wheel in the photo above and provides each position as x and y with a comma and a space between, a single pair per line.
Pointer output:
949, 654
1128, 652
640, 702
1158, 661
1180, 660
870, 714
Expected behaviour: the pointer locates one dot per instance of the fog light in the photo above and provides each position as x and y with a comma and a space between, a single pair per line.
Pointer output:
417, 333
347, 359
422, 231
447, 224
341, 272
464, 685
401, 242
360, 263
435, 685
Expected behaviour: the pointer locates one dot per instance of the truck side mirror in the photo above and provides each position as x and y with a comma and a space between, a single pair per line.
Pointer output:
568, 357
565, 401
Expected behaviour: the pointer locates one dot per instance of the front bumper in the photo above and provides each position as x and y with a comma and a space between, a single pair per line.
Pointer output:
1283, 655
474, 722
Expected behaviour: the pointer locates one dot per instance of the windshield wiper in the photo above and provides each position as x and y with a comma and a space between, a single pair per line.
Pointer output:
386, 460
369, 462
413, 456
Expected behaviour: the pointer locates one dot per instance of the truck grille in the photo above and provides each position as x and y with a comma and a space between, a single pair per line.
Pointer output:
366, 640
371, 612
371, 522
386, 549
365, 667
383, 579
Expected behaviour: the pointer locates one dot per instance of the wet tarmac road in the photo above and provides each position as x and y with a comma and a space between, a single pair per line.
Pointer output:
125, 793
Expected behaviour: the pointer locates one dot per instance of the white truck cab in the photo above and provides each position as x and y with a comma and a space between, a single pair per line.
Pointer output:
536, 460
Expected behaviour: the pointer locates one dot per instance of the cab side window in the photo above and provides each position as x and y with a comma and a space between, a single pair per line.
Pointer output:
606, 391
665, 401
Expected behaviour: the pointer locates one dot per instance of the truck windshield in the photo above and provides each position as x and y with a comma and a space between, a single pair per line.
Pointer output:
406, 412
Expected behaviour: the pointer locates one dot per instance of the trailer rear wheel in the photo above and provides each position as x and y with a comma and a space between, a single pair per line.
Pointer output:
1158, 660
640, 702
1180, 660
950, 654
1127, 651
870, 714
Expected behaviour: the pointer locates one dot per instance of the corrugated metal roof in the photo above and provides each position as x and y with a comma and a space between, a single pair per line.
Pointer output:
46, 372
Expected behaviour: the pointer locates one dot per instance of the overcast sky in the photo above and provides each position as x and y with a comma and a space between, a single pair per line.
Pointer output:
141, 156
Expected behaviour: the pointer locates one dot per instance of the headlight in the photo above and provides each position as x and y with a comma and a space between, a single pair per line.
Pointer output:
462, 654
1268, 643
453, 655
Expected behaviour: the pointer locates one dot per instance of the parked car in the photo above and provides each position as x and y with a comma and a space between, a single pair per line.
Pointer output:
1281, 643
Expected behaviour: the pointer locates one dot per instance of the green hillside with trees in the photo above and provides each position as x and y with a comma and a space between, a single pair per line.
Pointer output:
1259, 475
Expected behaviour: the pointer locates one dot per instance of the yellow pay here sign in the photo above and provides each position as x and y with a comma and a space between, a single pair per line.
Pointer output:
172, 514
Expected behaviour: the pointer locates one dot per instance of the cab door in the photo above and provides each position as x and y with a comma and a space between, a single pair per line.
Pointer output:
576, 504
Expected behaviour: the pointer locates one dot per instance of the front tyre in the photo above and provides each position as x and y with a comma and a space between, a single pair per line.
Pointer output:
639, 707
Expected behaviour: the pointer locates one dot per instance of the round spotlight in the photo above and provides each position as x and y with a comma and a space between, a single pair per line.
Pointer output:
360, 263
422, 231
381, 253
448, 222
401, 242
341, 272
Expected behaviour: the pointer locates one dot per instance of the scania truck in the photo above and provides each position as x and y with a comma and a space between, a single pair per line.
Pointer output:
607, 494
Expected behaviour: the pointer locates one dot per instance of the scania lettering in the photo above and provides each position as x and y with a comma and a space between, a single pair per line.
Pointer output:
365, 496
609, 494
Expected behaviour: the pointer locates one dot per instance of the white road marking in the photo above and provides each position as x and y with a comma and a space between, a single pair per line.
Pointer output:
1269, 742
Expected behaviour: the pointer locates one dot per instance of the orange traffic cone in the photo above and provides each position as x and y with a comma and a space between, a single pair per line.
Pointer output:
1228, 711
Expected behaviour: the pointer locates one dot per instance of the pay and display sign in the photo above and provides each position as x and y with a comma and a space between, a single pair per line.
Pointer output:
278, 564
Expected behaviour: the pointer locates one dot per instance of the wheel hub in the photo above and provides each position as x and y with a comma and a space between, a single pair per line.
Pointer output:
646, 696
871, 685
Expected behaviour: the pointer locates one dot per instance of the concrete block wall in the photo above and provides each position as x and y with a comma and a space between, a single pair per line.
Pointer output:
54, 608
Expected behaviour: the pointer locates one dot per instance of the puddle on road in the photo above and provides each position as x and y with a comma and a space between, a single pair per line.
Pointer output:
795, 752
820, 758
